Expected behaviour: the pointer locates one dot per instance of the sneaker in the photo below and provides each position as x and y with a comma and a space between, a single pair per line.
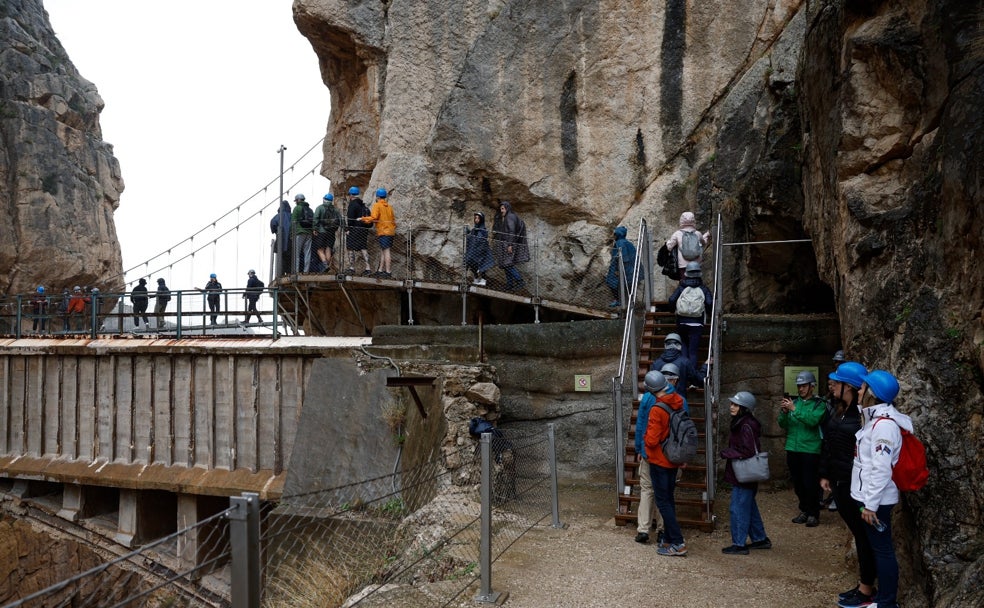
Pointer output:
735, 550
761, 544
673, 550
849, 593
812, 522
857, 600
642, 537
832, 506
799, 519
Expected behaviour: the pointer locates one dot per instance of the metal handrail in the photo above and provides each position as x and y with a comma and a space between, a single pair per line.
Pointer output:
712, 378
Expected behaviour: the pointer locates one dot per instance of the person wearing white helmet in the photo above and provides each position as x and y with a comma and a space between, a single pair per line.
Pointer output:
691, 301
801, 418
76, 309
687, 372
163, 296
302, 224
744, 441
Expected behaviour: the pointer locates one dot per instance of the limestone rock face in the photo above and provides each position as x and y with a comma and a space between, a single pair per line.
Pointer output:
892, 118
851, 123
585, 116
60, 181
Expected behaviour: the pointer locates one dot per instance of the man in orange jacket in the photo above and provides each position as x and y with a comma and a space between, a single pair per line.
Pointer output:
382, 216
662, 472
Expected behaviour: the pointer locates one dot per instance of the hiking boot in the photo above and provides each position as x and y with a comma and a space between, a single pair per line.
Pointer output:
858, 600
735, 550
812, 522
799, 519
642, 537
761, 544
673, 550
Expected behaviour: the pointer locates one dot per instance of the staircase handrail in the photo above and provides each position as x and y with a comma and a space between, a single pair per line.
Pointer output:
712, 378
642, 269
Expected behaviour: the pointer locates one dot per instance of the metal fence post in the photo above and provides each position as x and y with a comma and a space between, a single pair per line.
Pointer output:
276, 308
554, 493
485, 593
244, 540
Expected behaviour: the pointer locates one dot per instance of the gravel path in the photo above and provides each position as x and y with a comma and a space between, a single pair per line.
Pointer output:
595, 563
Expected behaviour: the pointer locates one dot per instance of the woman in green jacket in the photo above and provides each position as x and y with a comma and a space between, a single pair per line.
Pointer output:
801, 417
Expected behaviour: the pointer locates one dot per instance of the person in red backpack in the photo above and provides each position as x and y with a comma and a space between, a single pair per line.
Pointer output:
876, 451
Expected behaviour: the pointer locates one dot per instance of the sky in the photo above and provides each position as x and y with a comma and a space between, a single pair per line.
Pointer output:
199, 96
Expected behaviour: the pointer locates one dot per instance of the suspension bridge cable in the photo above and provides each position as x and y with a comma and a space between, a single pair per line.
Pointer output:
226, 214
212, 241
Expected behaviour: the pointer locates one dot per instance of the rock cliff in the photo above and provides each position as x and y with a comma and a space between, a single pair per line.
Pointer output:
854, 123
60, 181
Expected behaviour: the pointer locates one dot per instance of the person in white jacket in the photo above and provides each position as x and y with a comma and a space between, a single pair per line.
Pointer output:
877, 450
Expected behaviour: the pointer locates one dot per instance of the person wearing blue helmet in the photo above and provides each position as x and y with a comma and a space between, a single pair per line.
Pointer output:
624, 249
39, 309
836, 463
213, 293
356, 233
877, 448
383, 217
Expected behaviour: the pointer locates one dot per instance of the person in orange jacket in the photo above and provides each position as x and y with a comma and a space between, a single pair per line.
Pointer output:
76, 308
382, 216
662, 472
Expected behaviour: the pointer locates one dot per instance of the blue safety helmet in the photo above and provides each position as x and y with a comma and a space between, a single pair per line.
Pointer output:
354, 191
211, 276
883, 385
381, 193
40, 288
850, 372
329, 197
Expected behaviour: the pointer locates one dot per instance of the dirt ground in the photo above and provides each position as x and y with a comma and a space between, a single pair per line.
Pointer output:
593, 562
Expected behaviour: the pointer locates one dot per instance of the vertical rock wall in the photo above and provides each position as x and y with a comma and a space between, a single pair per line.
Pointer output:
59, 182
892, 174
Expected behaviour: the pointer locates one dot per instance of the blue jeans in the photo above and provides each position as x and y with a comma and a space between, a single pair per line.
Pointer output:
746, 521
664, 484
885, 561
514, 280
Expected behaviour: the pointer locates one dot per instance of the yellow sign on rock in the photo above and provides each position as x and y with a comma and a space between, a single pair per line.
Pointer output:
582, 382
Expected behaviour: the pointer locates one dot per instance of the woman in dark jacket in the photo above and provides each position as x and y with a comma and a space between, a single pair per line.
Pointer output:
743, 442
478, 254
836, 461
615, 270
280, 226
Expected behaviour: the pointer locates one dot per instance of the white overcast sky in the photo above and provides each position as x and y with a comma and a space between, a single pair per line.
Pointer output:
199, 97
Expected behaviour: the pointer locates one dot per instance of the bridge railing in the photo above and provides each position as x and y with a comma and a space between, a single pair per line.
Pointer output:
186, 312
456, 256
423, 535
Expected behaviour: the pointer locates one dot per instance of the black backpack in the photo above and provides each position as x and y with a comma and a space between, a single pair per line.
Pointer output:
307, 217
666, 259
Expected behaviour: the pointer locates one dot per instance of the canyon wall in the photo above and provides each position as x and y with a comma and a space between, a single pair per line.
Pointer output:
59, 182
849, 126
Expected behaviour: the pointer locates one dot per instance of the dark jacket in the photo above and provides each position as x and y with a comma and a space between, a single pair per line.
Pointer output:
688, 373
254, 287
139, 294
628, 251
692, 282
357, 234
837, 449
280, 225
478, 254
509, 238
744, 441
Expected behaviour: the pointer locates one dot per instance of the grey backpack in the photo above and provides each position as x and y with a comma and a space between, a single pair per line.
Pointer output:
690, 247
680, 445
691, 302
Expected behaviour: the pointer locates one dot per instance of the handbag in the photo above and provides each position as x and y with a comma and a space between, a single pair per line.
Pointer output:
751, 469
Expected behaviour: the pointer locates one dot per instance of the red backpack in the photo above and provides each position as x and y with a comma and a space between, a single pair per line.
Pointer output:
910, 472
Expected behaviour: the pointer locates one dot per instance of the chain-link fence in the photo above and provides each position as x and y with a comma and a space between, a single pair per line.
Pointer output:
185, 568
425, 535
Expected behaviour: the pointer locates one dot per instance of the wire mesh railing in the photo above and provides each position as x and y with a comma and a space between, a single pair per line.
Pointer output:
424, 535
174, 570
